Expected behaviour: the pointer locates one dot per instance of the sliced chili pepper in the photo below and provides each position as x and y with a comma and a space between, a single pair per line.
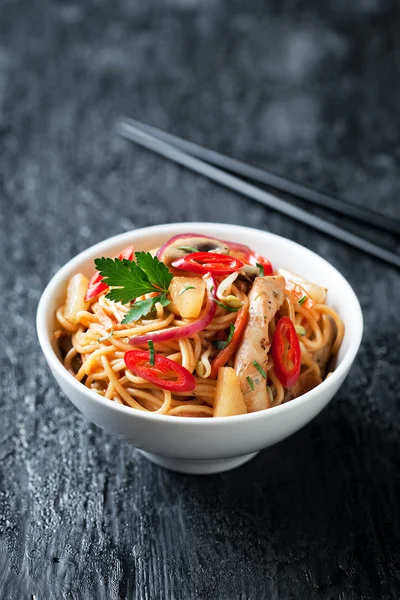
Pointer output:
252, 258
286, 352
138, 361
96, 285
222, 357
126, 254
299, 293
257, 259
209, 262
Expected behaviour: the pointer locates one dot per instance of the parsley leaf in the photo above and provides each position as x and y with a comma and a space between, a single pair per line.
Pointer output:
143, 307
156, 271
303, 299
220, 344
130, 279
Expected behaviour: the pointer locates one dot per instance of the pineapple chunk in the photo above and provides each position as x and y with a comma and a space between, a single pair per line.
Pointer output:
75, 302
187, 295
228, 395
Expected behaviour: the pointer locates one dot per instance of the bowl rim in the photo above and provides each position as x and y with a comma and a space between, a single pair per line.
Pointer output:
172, 229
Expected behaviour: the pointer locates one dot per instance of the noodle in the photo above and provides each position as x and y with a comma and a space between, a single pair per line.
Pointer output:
98, 341
278, 387
338, 322
203, 367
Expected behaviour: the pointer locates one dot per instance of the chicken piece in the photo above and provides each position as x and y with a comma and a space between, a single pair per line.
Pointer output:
265, 299
306, 382
323, 355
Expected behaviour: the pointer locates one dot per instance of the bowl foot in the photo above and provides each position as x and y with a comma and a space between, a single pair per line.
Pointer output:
198, 467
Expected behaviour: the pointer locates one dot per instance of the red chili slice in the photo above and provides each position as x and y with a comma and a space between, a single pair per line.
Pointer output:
222, 357
286, 352
96, 285
250, 257
208, 262
138, 361
300, 294
256, 259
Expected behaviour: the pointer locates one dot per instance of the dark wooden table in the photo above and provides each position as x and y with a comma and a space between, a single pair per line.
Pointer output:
309, 90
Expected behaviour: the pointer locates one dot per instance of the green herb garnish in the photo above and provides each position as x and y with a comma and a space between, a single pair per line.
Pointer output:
130, 280
188, 287
261, 269
259, 368
157, 273
188, 249
143, 307
228, 308
220, 344
250, 382
106, 337
152, 360
303, 299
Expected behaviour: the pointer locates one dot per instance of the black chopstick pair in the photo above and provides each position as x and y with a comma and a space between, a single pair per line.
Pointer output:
220, 168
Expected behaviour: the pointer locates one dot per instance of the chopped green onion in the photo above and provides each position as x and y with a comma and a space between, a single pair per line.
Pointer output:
106, 337
300, 329
152, 360
259, 368
270, 394
250, 382
188, 287
220, 344
261, 269
188, 249
228, 308
303, 299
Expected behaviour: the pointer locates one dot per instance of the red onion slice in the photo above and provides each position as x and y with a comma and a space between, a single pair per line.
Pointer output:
171, 241
190, 330
236, 247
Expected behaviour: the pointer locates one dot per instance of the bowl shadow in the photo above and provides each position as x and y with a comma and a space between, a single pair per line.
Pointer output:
318, 510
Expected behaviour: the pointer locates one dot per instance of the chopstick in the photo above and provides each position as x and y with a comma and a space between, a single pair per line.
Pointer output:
130, 131
238, 167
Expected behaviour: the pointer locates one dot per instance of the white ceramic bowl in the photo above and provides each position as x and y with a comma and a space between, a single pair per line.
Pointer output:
195, 445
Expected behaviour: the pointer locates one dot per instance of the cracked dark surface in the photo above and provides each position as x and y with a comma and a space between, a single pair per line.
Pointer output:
308, 90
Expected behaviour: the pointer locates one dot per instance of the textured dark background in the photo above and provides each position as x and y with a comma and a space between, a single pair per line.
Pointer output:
307, 89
